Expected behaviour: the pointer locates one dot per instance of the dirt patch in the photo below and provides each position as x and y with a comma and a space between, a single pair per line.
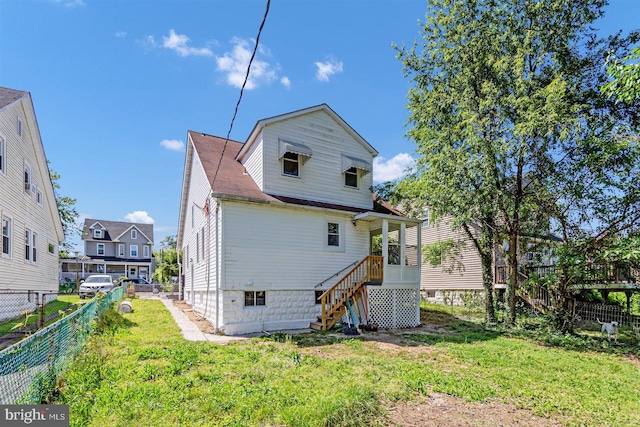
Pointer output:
203, 324
444, 410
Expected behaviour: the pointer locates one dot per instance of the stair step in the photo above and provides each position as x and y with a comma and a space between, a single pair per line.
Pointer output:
315, 325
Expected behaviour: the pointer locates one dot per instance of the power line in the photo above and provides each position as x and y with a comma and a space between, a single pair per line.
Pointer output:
246, 78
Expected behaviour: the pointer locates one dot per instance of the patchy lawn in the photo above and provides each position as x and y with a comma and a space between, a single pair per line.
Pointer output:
449, 372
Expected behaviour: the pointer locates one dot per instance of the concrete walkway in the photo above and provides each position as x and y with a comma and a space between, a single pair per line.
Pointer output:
190, 331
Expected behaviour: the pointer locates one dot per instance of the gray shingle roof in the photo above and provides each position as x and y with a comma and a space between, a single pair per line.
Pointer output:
8, 96
114, 229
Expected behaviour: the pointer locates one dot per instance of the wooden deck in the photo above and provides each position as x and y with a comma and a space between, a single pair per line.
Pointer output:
607, 277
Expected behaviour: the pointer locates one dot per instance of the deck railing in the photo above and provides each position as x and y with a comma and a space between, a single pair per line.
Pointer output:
334, 300
591, 273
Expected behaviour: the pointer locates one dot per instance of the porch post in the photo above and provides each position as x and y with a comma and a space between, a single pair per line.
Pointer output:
403, 249
385, 243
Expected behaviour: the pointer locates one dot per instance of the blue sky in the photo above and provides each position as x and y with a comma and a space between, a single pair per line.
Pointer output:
117, 84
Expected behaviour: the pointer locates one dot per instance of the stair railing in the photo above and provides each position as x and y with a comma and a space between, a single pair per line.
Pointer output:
334, 300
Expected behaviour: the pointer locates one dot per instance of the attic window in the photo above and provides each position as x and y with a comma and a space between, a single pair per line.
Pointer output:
293, 154
351, 178
97, 234
134, 234
291, 164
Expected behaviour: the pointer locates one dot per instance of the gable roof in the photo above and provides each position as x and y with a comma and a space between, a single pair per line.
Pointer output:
113, 230
9, 96
322, 107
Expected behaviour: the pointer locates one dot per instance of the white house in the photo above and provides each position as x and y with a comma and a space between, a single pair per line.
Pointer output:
31, 226
271, 227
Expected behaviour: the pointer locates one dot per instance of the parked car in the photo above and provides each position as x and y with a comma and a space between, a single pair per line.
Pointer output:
96, 283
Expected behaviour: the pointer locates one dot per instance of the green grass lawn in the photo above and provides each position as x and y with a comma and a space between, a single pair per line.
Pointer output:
140, 372
63, 305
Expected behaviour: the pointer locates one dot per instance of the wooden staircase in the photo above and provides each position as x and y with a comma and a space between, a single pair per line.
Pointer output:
369, 271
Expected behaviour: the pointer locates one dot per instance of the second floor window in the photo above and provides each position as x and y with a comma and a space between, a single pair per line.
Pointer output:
100, 248
120, 249
27, 244
133, 250
27, 176
290, 164
97, 234
351, 177
145, 251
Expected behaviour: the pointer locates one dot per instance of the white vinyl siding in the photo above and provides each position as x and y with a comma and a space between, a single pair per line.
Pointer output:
299, 237
253, 163
469, 277
321, 176
23, 213
3, 156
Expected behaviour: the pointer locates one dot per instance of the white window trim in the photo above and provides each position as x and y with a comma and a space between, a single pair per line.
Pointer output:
298, 161
341, 232
27, 184
104, 249
134, 234
20, 126
131, 248
426, 218
97, 233
27, 244
145, 251
35, 253
121, 250
9, 219
344, 179
254, 306
39, 196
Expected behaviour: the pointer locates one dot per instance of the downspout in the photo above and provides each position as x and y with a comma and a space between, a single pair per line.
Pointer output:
218, 274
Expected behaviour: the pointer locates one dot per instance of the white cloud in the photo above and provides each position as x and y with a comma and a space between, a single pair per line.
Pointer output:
234, 65
285, 82
141, 217
120, 34
394, 168
148, 42
172, 144
74, 3
327, 69
178, 42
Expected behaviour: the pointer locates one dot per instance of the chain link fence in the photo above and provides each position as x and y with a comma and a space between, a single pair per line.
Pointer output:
29, 368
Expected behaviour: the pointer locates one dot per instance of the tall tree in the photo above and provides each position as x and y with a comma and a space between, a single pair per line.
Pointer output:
499, 109
68, 215
167, 260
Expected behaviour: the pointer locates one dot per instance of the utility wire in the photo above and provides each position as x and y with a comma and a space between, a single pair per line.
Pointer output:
246, 78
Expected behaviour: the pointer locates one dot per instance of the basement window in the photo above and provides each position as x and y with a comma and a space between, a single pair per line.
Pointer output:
254, 298
318, 295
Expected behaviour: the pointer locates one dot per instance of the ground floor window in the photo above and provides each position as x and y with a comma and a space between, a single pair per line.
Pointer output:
254, 298
318, 295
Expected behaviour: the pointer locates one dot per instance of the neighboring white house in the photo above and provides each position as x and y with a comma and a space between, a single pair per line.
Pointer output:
30, 223
121, 249
268, 226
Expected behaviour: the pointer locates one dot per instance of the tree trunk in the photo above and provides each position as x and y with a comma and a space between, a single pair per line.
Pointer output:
512, 283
